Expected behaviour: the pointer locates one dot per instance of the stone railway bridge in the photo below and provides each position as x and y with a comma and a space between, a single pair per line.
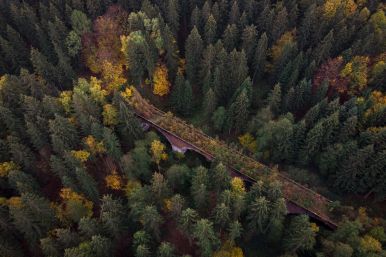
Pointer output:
311, 203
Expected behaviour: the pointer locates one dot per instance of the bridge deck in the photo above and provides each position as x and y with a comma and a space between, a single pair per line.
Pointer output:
313, 203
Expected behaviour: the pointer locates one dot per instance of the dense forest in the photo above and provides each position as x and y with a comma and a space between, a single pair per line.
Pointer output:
298, 85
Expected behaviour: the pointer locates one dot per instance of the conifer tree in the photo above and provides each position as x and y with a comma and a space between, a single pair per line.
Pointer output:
22, 53
110, 141
129, 127
87, 184
21, 154
172, 15
23, 182
33, 217
324, 48
187, 97
63, 134
230, 37
209, 103
80, 23
187, 220
210, 30
238, 113
249, 42
299, 235
43, 67
274, 99
280, 23
193, 53
113, 215
152, 221
166, 249
235, 13
260, 56
205, 236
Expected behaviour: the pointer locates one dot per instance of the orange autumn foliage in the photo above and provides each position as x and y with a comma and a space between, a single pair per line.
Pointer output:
114, 181
104, 43
73, 205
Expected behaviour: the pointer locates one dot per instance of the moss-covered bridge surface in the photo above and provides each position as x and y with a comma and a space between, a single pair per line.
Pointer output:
183, 136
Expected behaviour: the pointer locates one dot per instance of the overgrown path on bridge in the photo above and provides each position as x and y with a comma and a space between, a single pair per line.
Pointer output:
313, 203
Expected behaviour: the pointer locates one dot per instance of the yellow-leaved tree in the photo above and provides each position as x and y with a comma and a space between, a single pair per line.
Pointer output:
287, 39
65, 98
73, 206
357, 71
161, 84
6, 167
228, 249
93, 146
81, 155
110, 115
330, 7
237, 185
114, 181
96, 91
158, 151
113, 75
131, 186
249, 142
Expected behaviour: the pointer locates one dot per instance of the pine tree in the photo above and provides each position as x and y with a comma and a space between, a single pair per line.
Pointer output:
80, 23
33, 217
63, 134
258, 215
22, 53
280, 23
193, 54
307, 25
210, 30
178, 176
222, 215
237, 71
159, 187
176, 98
324, 48
299, 235
230, 37
111, 142
352, 170
152, 221
87, 184
171, 51
274, 99
260, 56
220, 177
235, 13
238, 113
89, 227
94, 8
21, 154
113, 215
187, 220
207, 240
129, 126
172, 15
187, 97
209, 103
166, 249
249, 44
43, 67
196, 19
24, 183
